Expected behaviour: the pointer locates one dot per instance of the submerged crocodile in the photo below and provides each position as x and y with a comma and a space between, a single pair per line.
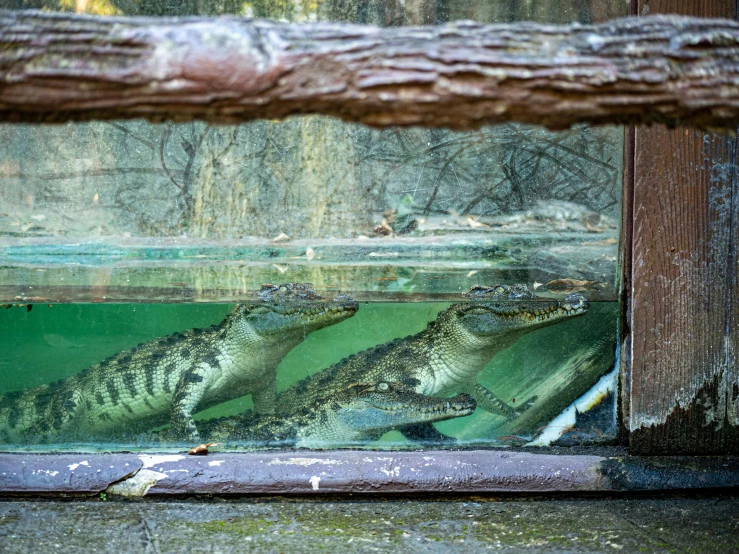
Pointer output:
358, 414
446, 357
168, 379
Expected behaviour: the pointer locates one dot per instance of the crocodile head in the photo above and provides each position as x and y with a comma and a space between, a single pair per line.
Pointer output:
509, 310
367, 411
357, 414
291, 309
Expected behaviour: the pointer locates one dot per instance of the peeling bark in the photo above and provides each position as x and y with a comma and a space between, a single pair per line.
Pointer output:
705, 425
667, 69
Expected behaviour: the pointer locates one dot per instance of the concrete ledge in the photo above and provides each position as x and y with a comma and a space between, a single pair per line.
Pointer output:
64, 473
356, 472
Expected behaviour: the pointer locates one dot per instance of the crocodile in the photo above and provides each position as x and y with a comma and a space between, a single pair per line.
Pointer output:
168, 379
446, 357
361, 413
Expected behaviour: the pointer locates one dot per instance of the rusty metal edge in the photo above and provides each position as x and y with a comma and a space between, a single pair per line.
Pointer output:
356, 472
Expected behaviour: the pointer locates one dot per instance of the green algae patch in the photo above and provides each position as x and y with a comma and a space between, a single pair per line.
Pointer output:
550, 526
578, 526
238, 525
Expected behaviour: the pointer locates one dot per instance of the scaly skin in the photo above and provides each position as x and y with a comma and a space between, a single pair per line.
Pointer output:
168, 379
358, 414
446, 357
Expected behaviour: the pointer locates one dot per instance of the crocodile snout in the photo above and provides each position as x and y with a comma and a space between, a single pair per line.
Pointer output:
575, 302
344, 302
462, 403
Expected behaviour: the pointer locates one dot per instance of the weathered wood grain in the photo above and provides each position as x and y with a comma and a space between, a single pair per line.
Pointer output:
696, 8
684, 383
61, 67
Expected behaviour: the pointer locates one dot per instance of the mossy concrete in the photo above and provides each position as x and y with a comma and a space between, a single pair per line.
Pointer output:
625, 525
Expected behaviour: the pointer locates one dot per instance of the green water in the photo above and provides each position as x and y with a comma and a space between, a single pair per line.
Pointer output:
557, 363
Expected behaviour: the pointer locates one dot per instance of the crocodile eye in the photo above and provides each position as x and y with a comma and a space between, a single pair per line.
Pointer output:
382, 386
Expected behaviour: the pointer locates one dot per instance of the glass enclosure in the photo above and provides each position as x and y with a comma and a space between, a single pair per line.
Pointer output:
309, 283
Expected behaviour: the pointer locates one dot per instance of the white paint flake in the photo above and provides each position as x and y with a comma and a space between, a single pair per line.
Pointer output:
151, 461
305, 462
314, 482
393, 472
215, 463
72, 467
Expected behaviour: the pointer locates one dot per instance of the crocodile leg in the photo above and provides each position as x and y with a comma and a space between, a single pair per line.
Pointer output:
265, 400
188, 393
487, 400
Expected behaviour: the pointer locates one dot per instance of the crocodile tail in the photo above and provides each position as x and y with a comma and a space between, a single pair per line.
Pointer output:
18, 413
37, 414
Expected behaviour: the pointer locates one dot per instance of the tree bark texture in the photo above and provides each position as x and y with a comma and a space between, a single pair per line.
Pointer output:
666, 69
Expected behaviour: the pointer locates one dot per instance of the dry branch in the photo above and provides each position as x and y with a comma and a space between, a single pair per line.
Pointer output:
672, 70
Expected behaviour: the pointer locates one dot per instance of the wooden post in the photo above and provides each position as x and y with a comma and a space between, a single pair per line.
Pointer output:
683, 389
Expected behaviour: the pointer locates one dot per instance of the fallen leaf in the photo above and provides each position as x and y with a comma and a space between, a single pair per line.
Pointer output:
575, 285
384, 229
201, 449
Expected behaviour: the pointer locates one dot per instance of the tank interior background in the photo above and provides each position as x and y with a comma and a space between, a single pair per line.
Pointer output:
133, 211
134, 216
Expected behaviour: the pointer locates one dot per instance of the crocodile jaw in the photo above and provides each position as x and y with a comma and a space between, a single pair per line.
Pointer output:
365, 412
280, 319
427, 409
368, 418
498, 318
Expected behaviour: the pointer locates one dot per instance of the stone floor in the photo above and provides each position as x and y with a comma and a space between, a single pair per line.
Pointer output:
625, 525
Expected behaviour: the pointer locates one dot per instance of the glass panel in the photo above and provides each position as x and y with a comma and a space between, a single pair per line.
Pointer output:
526, 371
119, 233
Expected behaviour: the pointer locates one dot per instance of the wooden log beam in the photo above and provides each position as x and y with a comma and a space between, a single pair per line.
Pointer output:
667, 69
